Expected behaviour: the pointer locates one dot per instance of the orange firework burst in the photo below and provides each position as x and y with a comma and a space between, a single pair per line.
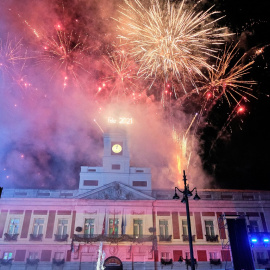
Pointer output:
226, 80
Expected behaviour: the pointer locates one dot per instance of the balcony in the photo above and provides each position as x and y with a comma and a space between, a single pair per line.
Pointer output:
185, 238
58, 262
60, 237
211, 238
165, 238
10, 237
87, 238
215, 261
6, 262
263, 261
32, 262
36, 237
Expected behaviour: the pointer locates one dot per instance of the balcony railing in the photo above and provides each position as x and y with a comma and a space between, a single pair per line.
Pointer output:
32, 261
36, 237
11, 237
211, 238
58, 262
6, 262
60, 237
185, 238
263, 261
215, 261
112, 238
165, 238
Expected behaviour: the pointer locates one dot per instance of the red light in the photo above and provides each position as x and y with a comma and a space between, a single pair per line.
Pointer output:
209, 95
240, 109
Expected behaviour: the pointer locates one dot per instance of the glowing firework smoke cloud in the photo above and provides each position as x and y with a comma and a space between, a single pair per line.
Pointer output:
49, 131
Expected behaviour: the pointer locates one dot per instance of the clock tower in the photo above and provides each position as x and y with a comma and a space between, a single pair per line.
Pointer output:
116, 154
115, 166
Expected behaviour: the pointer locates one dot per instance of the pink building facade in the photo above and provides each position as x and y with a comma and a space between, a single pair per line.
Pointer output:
139, 228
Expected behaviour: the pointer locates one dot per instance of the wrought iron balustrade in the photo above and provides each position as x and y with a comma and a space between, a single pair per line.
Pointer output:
211, 238
58, 262
11, 237
32, 261
6, 262
262, 261
215, 261
188, 262
165, 238
36, 237
60, 237
112, 238
185, 238
166, 261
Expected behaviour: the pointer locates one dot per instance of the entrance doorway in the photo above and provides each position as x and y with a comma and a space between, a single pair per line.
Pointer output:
113, 263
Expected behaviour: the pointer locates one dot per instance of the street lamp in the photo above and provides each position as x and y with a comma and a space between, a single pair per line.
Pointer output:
187, 193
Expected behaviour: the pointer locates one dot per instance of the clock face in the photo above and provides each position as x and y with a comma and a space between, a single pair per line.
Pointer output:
117, 148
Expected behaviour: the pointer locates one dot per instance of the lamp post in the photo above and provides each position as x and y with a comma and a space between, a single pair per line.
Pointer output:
187, 193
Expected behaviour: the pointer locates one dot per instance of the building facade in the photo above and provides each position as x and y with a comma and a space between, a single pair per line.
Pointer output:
116, 212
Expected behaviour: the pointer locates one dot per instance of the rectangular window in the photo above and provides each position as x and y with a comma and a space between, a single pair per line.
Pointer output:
14, 226
213, 255
113, 226
62, 227
253, 225
115, 166
7, 255
33, 255
89, 226
139, 183
209, 228
163, 227
90, 183
165, 255
137, 227
59, 256
38, 226
184, 227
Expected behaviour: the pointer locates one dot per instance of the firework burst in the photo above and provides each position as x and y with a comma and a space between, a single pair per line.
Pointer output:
226, 80
122, 75
11, 57
67, 52
169, 41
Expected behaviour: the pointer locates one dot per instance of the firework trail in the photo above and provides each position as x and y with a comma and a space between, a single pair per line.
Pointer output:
170, 42
183, 154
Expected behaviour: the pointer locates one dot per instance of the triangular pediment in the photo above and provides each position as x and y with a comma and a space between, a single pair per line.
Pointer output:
115, 191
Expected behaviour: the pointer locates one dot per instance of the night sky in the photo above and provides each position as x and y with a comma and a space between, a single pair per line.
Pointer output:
243, 161
47, 130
